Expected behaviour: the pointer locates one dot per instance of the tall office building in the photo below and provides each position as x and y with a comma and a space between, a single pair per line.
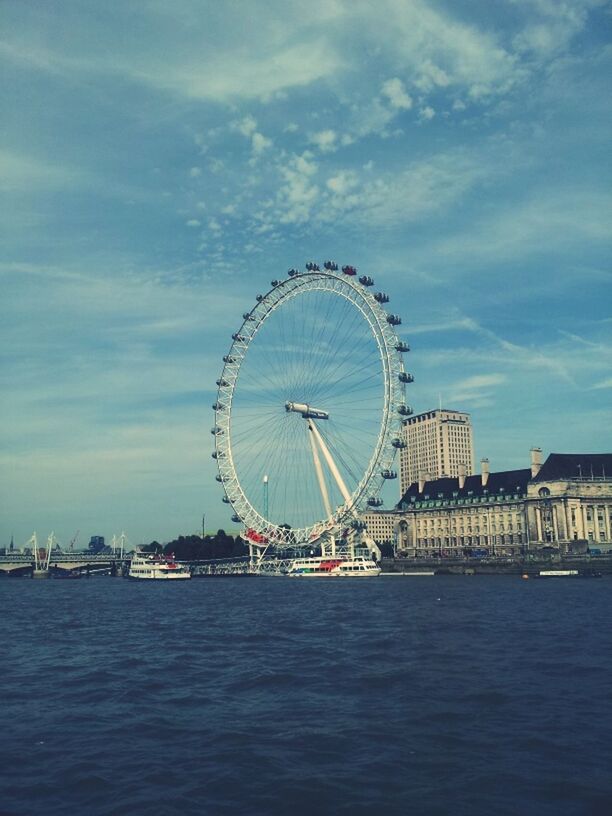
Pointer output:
438, 443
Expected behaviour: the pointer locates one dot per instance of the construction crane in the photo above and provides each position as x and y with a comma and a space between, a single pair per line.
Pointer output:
73, 540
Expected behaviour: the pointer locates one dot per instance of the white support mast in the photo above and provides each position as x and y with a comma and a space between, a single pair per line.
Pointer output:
50, 543
34, 544
330, 462
319, 470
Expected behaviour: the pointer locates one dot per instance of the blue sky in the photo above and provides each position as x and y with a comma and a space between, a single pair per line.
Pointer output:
162, 160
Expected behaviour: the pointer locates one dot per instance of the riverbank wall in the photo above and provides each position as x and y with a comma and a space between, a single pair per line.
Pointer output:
498, 566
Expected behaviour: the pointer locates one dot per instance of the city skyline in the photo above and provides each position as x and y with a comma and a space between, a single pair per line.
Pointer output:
160, 165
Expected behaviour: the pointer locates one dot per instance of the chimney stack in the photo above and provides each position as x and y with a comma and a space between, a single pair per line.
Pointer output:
422, 480
536, 461
462, 472
484, 467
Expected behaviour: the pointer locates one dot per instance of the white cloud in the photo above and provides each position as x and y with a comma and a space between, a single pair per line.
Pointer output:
195, 172
430, 77
297, 195
395, 92
325, 140
418, 190
480, 381
555, 25
22, 172
553, 219
260, 143
193, 222
261, 73
426, 114
443, 51
342, 183
246, 126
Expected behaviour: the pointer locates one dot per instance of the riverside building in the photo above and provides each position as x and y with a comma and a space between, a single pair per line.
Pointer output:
438, 444
561, 505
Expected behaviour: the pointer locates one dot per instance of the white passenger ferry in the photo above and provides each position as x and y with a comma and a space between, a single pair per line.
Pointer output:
153, 567
323, 567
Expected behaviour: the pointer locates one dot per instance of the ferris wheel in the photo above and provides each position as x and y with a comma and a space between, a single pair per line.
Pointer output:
309, 408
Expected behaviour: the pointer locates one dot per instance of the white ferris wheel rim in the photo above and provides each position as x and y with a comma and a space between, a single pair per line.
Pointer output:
391, 367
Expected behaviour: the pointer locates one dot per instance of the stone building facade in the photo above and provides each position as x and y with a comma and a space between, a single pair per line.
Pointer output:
567, 500
570, 499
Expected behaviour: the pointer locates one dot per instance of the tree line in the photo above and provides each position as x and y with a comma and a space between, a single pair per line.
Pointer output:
196, 548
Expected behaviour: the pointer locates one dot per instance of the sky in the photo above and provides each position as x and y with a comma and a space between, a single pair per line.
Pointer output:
162, 160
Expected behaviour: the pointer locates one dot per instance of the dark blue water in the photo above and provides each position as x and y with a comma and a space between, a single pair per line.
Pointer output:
445, 695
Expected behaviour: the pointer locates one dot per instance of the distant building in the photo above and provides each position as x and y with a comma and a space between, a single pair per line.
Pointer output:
555, 505
381, 525
96, 544
438, 444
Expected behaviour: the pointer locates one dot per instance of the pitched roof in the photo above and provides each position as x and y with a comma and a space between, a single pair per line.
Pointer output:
507, 481
576, 466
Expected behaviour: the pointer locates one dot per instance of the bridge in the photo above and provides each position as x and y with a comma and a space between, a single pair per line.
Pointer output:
77, 561
41, 561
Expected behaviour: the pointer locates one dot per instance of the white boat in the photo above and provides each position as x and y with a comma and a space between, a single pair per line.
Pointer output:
153, 567
325, 567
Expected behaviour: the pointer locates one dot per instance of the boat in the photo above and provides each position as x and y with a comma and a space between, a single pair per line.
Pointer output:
154, 567
323, 567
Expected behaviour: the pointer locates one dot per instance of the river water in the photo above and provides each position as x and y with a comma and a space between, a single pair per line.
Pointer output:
444, 695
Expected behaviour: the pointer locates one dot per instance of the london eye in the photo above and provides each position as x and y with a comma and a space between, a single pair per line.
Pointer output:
309, 407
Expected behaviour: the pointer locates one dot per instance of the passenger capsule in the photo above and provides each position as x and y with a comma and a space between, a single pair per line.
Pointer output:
216, 431
404, 410
388, 474
375, 501
222, 383
259, 298
398, 443
229, 359
219, 478
239, 338
225, 500
236, 519
381, 297
247, 316
366, 280
349, 270
292, 273
401, 346
394, 320
358, 524
274, 283
404, 377
332, 266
